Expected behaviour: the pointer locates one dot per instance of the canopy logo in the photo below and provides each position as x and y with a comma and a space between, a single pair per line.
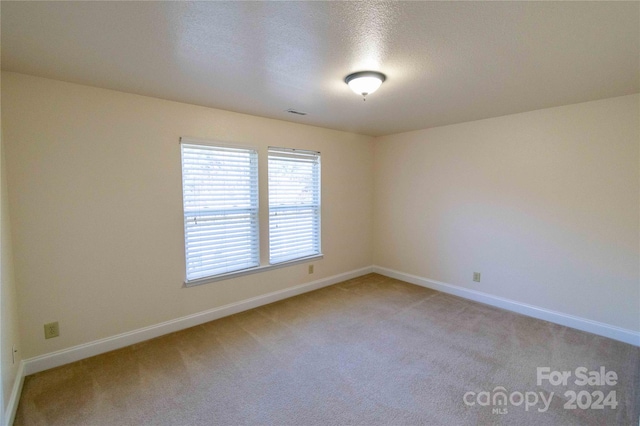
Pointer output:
499, 399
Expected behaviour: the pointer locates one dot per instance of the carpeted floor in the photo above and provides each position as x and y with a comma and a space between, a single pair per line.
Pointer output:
368, 351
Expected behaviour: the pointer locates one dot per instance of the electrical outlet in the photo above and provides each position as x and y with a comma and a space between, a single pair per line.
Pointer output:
476, 277
310, 269
51, 330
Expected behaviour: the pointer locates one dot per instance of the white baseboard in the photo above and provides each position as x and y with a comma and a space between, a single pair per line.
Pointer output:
86, 350
595, 327
14, 399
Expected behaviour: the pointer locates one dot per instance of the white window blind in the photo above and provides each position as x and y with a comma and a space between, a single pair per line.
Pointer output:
294, 204
220, 197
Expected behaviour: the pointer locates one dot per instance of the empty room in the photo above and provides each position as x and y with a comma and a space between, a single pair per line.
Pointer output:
320, 213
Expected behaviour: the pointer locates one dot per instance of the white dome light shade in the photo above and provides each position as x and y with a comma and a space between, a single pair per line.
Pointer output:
365, 82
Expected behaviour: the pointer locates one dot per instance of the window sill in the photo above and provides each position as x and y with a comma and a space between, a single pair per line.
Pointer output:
257, 269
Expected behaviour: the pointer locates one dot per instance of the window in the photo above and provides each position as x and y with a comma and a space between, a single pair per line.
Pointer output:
220, 198
294, 204
222, 220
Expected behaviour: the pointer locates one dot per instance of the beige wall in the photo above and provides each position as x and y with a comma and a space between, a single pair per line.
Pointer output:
8, 300
544, 204
95, 197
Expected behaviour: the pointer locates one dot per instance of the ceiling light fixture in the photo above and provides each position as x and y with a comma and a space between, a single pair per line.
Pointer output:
365, 82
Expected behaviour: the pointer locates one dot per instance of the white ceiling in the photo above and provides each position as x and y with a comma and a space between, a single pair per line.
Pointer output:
445, 62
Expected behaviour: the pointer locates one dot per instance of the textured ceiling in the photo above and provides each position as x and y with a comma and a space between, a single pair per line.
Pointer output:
445, 62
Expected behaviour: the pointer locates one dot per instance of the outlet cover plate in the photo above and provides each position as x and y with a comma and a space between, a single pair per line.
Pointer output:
51, 330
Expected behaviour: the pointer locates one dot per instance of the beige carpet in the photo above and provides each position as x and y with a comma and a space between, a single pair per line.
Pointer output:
372, 350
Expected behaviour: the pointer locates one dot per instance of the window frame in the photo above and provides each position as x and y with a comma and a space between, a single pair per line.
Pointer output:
251, 223
290, 206
263, 219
